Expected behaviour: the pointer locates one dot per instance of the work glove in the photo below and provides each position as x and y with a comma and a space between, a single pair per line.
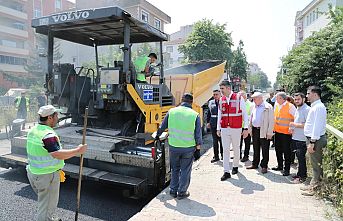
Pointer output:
196, 154
62, 176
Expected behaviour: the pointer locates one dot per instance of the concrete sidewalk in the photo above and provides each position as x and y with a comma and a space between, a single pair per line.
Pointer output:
249, 195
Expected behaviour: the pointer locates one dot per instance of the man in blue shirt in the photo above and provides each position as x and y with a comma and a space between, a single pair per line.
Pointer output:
298, 136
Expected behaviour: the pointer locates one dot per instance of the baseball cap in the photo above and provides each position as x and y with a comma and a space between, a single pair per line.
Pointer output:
47, 110
257, 94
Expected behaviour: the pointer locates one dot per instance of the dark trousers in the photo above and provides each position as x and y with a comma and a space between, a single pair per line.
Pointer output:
300, 150
283, 150
247, 141
181, 168
217, 142
258, 144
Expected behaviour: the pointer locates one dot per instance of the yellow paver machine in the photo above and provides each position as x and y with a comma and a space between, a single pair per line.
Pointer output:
122, 112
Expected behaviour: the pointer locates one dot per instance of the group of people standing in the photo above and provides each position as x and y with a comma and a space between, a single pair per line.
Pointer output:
294, 127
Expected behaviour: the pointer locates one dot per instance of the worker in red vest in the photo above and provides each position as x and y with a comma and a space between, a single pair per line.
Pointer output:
231, 114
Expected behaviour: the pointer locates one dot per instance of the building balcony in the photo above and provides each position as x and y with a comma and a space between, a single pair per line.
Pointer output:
12, 68
14, 32
13, 13
14, 51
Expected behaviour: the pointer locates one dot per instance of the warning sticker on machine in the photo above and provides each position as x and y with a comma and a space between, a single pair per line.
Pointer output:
147, 95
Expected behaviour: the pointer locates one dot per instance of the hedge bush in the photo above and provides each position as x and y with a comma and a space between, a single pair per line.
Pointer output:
333, 159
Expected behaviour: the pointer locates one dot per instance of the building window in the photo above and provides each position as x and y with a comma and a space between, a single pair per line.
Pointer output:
317, 13
171, 60
74, 59
58, 5
145, 16
170, 49
314, 16
37, 13
8, 43
12, 60
18, 25
157, 23
307, 21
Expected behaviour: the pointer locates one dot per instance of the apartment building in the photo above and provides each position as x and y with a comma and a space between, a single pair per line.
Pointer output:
313, 18
17, 38
171, 47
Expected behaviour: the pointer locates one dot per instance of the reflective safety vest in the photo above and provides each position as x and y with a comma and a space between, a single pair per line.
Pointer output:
231, 113
40, 161
140, 63
181, 126
248, 106
283, 118
18, 100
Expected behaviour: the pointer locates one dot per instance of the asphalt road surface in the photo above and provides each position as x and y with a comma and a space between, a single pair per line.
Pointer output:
98, 201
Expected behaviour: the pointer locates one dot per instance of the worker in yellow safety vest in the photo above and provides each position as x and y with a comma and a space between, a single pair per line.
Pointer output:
184, 141
45, 161
145, 68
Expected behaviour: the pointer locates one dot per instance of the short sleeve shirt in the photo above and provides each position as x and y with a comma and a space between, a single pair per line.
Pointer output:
300, 117
51, 143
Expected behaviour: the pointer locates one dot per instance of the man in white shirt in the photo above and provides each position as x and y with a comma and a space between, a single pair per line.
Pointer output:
231, 114
314, 131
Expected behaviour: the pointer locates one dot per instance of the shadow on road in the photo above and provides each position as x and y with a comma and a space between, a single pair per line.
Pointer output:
247, 186
187, 206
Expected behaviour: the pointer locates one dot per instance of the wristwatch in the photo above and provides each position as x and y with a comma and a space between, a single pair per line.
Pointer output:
245, 128
312, 141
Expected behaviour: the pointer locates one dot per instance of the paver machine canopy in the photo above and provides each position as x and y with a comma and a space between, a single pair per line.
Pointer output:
112, 91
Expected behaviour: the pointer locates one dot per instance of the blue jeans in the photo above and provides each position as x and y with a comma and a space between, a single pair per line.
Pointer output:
181, 166
300, 149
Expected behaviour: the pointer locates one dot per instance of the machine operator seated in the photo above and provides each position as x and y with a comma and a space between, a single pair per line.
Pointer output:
147, 70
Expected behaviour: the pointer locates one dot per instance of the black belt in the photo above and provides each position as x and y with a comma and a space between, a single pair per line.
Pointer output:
309, 138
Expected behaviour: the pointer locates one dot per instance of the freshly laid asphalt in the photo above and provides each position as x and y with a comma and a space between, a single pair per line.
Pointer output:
98, 201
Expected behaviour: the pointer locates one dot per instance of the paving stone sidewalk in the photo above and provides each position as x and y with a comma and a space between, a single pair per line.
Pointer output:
247, 196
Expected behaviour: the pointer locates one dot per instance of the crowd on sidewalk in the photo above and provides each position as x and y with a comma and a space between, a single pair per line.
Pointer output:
288, 122
292, 126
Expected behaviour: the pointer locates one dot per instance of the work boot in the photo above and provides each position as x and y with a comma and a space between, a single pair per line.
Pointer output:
234, 170
173, 194
225, 176
181, 196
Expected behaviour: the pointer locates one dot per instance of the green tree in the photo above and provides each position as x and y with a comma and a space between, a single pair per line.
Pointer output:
208, 41
259, 80
239, 63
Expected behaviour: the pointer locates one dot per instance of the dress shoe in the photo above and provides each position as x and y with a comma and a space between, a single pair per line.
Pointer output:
277, 168
244, 159
252, 167
221, 157
308, 193
181, 196
173, 194
264, 170
225, 176
285, 173
234, 170
214, 160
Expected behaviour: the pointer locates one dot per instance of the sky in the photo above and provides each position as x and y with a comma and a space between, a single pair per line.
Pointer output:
265, 26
